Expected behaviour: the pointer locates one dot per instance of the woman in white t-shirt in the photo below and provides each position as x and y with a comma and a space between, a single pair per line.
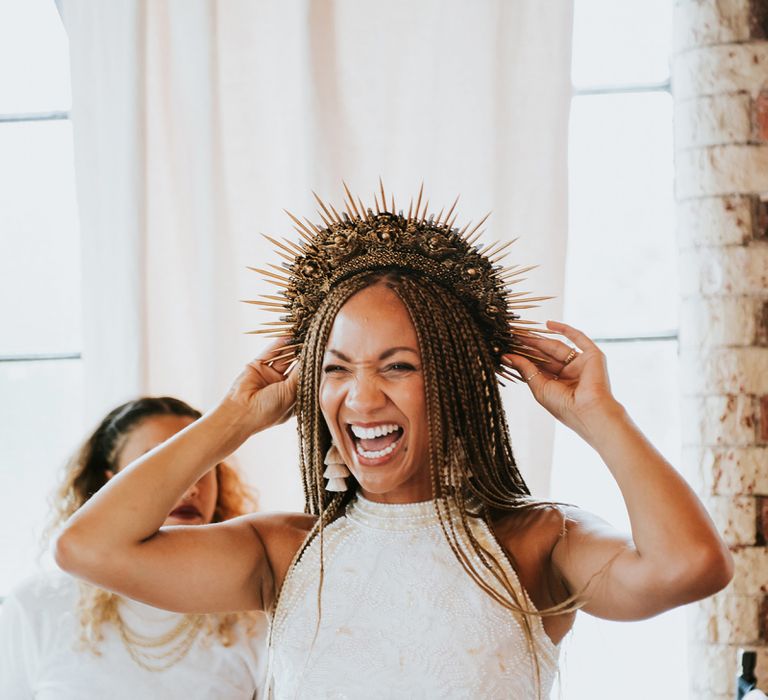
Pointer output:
60, 638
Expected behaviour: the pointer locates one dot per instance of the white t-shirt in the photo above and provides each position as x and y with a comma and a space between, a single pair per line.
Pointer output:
39, 632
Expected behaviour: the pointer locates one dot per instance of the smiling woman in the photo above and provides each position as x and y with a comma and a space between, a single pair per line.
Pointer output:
60, 637
422, 566
372, 397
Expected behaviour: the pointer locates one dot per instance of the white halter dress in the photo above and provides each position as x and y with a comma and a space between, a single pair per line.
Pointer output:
400, 617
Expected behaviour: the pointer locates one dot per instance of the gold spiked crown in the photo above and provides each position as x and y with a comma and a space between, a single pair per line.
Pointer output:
360, 240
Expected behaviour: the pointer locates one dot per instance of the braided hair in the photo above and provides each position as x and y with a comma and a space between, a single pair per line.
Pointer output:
472, 467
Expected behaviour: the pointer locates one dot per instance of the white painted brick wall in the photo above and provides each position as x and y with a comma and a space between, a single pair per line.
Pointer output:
720, 320
728, 470
703, 22
751, 575
735, 518
724, 270
726, 618
718, 420
714, 221
721, 162
713, 120
720, 69
725, 371
722, 169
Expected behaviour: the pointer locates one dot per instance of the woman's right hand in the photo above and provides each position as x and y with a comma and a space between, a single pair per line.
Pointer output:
264, 393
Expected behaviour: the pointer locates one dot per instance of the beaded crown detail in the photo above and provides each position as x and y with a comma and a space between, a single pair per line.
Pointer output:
359, 240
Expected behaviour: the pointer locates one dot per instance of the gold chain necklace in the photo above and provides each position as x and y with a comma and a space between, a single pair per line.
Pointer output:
158, 653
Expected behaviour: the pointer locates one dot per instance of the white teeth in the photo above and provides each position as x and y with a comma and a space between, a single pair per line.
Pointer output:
377, 431
375, 454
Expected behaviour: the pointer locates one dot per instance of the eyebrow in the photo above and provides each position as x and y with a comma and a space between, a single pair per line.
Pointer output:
383, 356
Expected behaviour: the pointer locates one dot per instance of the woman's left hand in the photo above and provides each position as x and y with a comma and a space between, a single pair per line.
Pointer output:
574, 388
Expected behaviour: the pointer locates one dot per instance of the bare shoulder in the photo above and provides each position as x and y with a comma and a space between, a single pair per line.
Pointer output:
529, 536
281, 535
532, 532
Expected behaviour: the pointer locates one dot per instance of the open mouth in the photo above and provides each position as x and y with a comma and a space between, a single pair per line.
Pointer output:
375, 442
187, 512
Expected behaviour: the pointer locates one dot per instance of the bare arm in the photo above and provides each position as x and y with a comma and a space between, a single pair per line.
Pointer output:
116, 540
674, 554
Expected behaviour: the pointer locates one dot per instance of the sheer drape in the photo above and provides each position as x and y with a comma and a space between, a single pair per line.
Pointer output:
196, 122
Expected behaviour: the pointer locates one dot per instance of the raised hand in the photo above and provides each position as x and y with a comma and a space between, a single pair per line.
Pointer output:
265, 391
572, 383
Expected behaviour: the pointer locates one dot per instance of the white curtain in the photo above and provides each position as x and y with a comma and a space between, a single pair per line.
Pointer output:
197, 122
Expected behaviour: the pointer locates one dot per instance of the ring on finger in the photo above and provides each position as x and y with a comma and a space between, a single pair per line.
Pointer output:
528, 379
571, 356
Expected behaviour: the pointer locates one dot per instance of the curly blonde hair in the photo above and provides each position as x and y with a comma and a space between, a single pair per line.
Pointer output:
88, 470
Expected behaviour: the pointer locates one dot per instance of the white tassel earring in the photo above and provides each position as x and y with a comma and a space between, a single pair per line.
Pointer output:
336, 471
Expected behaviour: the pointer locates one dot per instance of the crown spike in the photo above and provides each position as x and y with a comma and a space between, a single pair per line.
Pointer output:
503, 247
280, 270
450, 224
287, 258
322, 205
383, 196
299, 224
534, 298
311, 225
302, 235
280, 245
352, 202
471, 239
450, 211
268, 272
520, 271
464, 230
323, 219
423, 217
526, 332
335, 213
530, 357
508, 375
271, 304
272, 333
273, 297
410, 209
277, 283
437, 219
392, 204
418, 200
486, 249
479, 224
280, 348
294, 246
288, 355
364, 215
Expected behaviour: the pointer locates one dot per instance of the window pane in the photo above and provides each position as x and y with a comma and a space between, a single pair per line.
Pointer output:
40, 278
34, 58
621, 268
40, 425
644, 377
620, 43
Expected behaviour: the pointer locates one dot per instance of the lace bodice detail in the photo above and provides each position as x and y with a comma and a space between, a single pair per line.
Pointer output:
400, 616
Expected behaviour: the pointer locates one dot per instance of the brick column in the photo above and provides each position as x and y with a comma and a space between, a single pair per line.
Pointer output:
720, 87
